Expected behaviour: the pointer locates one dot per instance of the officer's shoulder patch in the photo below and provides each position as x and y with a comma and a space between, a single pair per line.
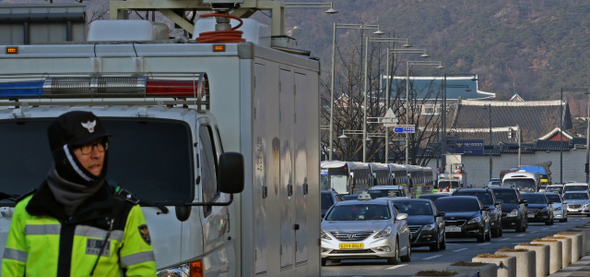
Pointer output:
145, 234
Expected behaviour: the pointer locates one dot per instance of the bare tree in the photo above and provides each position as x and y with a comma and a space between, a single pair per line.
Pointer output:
349, 108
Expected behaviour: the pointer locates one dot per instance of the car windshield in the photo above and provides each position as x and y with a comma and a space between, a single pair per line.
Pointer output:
414, 207
376, 193
484, 196
575, 195
534, 198
358, 212
450, 184
573, 188
553, 197
507, 196
455, 204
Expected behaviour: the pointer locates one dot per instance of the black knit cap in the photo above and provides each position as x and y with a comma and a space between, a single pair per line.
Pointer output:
67, 132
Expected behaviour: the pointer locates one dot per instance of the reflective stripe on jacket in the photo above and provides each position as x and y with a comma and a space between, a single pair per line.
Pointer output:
34, 246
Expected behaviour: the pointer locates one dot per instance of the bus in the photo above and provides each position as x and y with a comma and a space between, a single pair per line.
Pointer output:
345, 177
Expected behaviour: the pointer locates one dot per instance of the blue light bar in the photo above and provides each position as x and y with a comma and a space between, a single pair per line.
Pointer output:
21, 89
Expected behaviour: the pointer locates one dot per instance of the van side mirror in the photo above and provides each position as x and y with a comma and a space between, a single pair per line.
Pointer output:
230, 173
230, 179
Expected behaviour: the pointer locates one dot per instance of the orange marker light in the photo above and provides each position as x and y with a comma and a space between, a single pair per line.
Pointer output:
196, 269
11, 50
219, 48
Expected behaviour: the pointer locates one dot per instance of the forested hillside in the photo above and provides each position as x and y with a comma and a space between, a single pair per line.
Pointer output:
529, 47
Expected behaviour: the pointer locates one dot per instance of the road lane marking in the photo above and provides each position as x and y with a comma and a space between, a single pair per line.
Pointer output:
522, 235
484, 244
396, 266
432, 257
505, 239
460, 249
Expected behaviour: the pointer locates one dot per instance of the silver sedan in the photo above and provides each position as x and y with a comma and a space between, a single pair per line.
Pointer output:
365, 229
559, 206
578, 202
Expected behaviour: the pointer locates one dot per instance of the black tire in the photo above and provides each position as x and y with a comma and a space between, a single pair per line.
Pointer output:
520, 228
323, 262
482, 237
443, 244
500, 231
488, 237
435, 247
408, 257
395, 259
496, 232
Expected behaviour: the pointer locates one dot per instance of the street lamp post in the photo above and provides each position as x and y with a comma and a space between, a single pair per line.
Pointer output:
341, 26
382, 40
407, 108
388, 88
586, 166
561, 115
489, 108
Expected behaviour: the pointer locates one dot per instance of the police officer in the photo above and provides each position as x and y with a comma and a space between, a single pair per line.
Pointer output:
74, 224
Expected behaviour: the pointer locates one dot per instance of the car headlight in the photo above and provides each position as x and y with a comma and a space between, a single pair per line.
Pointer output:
182, 269
557, 209
544, 210
513, 213
325, 236
428, 227
383, 233
493, 212
474, 220
585, 205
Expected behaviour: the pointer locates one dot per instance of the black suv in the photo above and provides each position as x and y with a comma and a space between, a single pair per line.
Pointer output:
487, 198
329, 198
514, 209
465, 217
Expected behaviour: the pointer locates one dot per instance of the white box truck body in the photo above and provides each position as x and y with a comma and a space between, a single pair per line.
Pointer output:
261, 102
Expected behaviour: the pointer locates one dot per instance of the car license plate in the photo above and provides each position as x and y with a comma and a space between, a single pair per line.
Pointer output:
531, 215
351, 246
452, 229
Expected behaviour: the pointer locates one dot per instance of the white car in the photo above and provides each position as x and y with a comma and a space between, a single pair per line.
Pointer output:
559, 206
365, 229
578, 202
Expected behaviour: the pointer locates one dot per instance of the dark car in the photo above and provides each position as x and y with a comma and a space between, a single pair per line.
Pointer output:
487, 198
426, 223
329, 198
434, 196
514, 209
539, 207
465, 217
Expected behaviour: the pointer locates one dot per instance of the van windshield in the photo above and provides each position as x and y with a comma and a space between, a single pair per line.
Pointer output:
150, 158
521, 184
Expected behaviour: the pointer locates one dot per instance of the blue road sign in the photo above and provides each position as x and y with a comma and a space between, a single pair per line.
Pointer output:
404, 130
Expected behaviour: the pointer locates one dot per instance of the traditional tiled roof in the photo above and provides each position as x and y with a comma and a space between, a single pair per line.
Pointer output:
458, 87
535, 118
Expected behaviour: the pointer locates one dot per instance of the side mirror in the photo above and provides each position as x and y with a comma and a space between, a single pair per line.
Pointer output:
230, 173
401, 216
440, 214
485, 209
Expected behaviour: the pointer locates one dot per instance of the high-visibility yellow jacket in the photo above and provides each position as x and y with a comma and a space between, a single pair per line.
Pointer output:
43, 241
